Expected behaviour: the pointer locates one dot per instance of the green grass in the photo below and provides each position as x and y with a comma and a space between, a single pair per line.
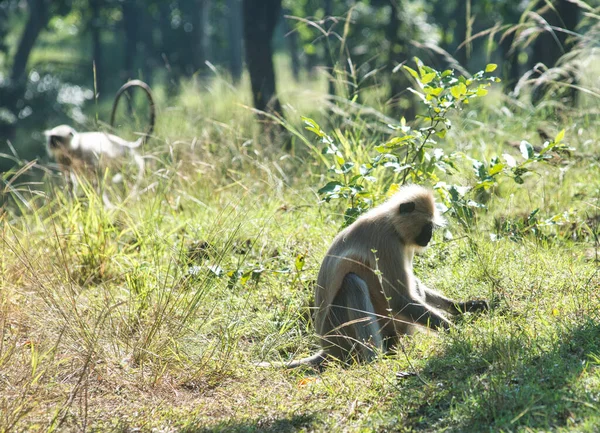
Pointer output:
152, 316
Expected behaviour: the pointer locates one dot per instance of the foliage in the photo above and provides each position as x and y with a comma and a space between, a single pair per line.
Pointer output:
170, 299
151, 316
413, 155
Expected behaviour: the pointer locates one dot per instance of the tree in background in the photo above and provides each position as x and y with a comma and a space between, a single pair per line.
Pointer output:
361, 43
95, 26
556, 20
399, 51
235, 23
11, 94
260, 18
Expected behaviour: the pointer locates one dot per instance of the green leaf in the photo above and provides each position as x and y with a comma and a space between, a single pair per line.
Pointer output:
347, 167
398, 140
350, 215
491, 67
312, 126
496, 169
300, 260
559, 136
481, 91
459, 90
510, 161
331, 187
526, 149
435, 91
411, 71
427, 78
365, 169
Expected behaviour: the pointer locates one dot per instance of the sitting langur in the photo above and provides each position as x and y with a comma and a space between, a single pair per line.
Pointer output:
367, 294
79, 152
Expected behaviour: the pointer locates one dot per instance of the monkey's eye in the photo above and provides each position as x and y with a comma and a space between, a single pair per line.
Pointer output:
407, 207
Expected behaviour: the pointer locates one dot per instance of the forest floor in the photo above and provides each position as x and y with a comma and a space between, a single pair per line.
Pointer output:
152, 316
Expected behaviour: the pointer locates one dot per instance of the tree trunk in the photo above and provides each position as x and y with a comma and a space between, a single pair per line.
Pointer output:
235, 39
291, 37
205, 31
11, 94
130, 27
552, 45
95, 28
329, 52
38, 18
400, 98
510, 64
461, 32
547, 49
196, 12
260, 18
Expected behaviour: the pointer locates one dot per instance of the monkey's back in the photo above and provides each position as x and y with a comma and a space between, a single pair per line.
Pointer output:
368, 247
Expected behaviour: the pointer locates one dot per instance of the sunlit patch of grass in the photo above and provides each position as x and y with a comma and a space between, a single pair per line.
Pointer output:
152, 315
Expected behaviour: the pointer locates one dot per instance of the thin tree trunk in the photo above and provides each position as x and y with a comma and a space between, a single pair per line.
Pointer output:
401, 100
11, 94
38, 18
291, 37
95, 26
235, 39
510, 64
328, 52
260, 18
196, 12
552, 45
460, 33
205, 40
130, 23
148, 52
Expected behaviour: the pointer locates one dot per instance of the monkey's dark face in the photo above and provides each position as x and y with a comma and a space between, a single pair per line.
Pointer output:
417, 224
59, 137
425, 236
54, 142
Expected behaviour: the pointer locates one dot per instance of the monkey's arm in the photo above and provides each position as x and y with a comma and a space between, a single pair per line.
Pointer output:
422, 314
437, 300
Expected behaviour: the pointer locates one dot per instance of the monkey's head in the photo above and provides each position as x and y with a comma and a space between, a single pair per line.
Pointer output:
414, 215
59, 138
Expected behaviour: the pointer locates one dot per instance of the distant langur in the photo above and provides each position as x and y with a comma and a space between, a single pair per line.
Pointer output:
87, 151
367, 294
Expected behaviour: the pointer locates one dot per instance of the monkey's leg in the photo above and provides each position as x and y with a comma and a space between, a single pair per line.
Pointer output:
352, 328
71, 181
417, 312
437, 300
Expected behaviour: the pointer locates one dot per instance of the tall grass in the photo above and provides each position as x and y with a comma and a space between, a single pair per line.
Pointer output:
152, 315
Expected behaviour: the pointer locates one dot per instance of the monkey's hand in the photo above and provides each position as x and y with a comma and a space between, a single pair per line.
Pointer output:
473, 306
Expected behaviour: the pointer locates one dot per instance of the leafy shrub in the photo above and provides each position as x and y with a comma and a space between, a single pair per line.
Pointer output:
412, 155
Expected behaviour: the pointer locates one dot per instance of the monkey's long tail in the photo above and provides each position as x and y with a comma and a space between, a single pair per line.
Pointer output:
310, 361
139, 160
152, 105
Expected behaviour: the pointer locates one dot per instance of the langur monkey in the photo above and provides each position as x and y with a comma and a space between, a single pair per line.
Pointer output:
367, 294
77, 152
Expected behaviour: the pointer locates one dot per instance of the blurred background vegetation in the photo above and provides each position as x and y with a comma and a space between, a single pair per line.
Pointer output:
61, 61
277, 120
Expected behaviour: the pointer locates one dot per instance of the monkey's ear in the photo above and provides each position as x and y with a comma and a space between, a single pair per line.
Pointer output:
407, 207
